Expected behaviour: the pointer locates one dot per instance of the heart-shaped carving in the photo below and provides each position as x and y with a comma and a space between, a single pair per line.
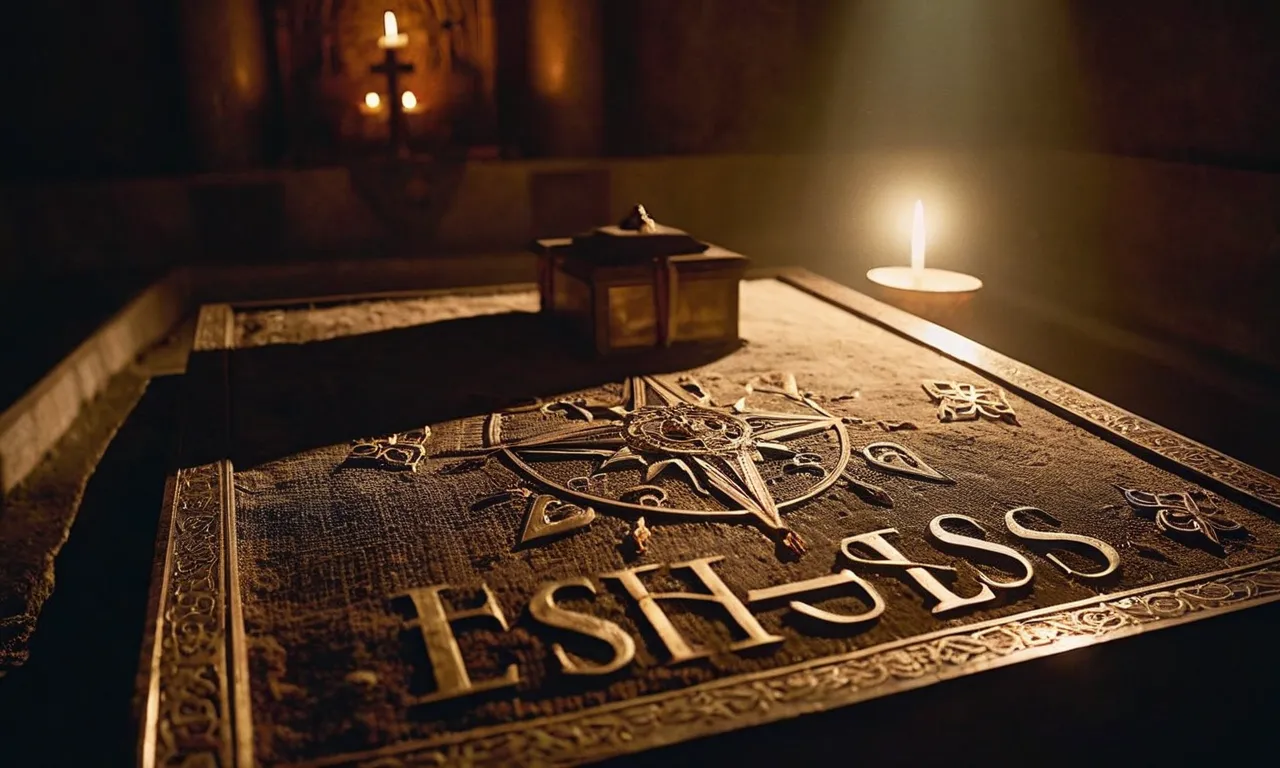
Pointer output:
551, 517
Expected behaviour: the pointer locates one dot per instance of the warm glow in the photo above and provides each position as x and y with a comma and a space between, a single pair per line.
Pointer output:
408, 100
389, 26
917, 238
372, 100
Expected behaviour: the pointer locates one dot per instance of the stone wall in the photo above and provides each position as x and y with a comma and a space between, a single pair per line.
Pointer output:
1175, 79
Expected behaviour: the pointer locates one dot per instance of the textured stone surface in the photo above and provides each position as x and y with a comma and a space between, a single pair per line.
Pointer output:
325, 545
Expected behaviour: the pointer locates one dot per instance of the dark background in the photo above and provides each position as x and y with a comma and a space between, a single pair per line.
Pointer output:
99, 88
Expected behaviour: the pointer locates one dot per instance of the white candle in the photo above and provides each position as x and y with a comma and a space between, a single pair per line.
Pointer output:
391, 35
918, 277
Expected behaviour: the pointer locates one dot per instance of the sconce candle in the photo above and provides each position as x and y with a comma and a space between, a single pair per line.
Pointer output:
409, 103
372, 104
939, 295
391, 67
391, 35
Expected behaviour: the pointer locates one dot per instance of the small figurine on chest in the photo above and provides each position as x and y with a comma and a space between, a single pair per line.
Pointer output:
639, 285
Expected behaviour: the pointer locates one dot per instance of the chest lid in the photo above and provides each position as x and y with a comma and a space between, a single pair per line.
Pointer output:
636, 238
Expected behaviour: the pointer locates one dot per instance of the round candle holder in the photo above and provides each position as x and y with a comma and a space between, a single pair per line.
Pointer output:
937, 295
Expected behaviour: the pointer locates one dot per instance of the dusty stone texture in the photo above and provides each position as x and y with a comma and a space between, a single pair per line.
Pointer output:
37, 516
278, 326
327, 548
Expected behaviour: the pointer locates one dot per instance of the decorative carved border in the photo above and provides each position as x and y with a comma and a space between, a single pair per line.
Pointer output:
837, 681
1234, 478
188, 718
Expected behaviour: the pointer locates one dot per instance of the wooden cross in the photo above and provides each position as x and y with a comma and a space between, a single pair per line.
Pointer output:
392, 68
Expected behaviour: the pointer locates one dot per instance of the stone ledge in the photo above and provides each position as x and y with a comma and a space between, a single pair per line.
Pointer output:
33, 425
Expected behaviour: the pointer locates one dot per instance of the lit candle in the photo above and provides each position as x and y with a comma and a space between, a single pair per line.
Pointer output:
936, 294
409, 101
917, 277
391, 35
372, 103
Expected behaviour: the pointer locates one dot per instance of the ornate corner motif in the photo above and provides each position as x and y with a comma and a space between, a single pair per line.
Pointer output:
749, 700
958, 401
1178, 514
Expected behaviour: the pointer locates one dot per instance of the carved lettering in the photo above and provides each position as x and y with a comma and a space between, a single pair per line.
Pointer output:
435, 621
919, 572
818, 584
543, 608
970, 542
717, 593
1108, 552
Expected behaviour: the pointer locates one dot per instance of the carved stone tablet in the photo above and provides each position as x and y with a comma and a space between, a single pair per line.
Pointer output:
543, 559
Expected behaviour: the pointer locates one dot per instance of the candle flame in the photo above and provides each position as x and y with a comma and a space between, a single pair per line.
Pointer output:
408, 100
372, 100
389, 26
917, 239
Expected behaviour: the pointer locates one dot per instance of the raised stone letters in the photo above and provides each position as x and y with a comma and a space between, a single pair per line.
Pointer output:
820, 584
718, 593
918, 572
435, 621
1108, 552
969, 542
543, 608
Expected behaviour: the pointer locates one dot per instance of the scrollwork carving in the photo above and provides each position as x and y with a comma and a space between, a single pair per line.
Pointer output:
192, 720
397, 452
958, 401
1178, 513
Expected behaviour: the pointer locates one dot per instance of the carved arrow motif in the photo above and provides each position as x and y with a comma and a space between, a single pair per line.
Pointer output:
891, 457
543, 521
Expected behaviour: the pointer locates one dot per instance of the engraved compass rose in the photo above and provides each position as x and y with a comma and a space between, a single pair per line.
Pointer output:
713, 462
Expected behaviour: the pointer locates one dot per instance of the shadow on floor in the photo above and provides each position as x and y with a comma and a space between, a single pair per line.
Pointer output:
72, 703
289, 398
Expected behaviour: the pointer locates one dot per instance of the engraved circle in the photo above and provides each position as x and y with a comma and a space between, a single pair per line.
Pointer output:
684, 430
